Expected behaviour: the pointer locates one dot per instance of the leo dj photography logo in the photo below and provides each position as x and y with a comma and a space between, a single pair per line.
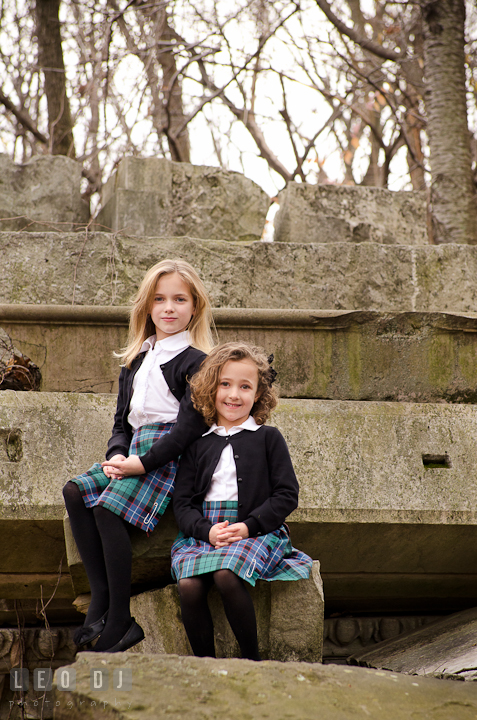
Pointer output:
99, 679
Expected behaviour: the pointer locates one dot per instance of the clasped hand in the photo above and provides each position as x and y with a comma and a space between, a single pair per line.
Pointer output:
119, 467
223, 534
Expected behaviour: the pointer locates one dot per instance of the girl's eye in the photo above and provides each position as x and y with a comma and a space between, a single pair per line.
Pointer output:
181, 299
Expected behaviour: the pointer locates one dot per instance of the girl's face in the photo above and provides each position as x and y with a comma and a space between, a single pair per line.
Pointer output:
236, 392
172, 307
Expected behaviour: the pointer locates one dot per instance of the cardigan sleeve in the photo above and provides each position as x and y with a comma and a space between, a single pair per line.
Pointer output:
119, 441
189, 427
274, 510
186, 501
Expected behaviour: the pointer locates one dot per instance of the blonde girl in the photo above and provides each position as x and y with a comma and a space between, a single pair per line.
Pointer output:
234, 489
169, 336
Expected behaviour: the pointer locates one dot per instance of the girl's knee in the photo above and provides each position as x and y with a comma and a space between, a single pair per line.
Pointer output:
226, 581
70, 490
192, 589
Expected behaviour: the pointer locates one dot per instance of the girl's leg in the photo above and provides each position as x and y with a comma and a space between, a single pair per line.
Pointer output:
239, 610
117, 553
88, 541
196, 615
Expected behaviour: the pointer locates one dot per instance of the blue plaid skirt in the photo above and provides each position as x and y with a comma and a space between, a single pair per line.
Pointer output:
268, 557
139, 499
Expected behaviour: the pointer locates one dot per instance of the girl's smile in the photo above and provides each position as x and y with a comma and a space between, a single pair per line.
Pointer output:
236, 392
172, 307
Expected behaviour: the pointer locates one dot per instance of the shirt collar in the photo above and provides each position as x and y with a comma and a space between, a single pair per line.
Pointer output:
248, 424
177, 342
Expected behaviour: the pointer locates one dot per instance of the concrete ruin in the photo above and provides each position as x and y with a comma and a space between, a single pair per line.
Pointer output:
374, 334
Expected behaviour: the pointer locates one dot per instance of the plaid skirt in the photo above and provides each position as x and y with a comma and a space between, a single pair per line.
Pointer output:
268, 557
139, 499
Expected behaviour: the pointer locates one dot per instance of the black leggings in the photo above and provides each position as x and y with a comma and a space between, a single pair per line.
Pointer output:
238, 608
104, 545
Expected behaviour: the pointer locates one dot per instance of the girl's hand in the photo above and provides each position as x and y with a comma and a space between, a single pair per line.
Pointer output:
230, 534
124, 467
109, 470
214, 531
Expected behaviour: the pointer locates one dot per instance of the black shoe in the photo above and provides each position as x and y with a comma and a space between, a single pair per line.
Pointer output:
88, 633
132, 637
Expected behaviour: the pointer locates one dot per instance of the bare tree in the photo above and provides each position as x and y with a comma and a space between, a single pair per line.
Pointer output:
454, 207
314, 91
51, 61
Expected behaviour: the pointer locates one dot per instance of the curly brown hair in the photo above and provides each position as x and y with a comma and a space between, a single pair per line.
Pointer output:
205, 382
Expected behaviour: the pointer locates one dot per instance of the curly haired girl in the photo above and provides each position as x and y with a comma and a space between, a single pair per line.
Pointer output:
234, 489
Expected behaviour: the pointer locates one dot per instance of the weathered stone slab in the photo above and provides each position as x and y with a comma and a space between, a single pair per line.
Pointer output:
392, 530
445, 648
337, 355
197, 688
156, 197
106, 269
285, 630
340, 213
42, 194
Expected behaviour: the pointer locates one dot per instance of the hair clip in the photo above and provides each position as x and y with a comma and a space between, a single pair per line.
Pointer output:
271, 370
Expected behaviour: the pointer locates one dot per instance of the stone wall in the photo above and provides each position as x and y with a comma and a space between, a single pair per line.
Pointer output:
106, 269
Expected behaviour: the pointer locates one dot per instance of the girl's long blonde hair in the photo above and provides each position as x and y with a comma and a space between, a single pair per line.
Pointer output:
140, 323
205, 382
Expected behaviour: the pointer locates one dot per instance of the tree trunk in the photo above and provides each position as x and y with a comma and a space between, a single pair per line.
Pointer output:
172, 91
453, 200
51, 61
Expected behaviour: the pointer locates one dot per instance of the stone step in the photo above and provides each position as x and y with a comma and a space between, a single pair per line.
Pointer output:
199, 688
106, 269
336, 355
387, 500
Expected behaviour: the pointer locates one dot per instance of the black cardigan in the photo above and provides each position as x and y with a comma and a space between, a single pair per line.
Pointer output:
189, 426
267, 484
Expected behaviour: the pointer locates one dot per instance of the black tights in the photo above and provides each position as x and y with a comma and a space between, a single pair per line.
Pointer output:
105, 549
238, 608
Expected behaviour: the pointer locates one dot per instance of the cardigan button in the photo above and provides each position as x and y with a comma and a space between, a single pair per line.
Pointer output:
239, 479
240, 504
236, 457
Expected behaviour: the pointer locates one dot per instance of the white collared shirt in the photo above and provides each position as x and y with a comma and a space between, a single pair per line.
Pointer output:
152, 401
224, 480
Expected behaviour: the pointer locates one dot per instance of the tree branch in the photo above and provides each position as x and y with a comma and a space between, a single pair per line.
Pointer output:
353, 35
23, 118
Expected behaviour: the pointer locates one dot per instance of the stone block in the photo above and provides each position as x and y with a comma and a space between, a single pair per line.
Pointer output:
387, 500
338, 355
106, 269
289, 620
198, 688
42, 194
158, 198
340, 213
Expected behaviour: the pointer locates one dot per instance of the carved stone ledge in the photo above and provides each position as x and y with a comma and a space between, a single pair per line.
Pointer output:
345, 636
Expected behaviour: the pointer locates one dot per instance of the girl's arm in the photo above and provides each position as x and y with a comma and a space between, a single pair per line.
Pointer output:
274, 510
189, 427
189, 492
120, 441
